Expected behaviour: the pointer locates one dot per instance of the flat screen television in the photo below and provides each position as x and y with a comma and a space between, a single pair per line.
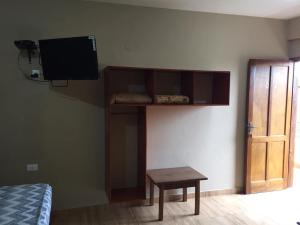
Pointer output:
69, 58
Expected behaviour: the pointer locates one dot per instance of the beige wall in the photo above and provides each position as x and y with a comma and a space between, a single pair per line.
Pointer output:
293, 36
63, 129
293, 29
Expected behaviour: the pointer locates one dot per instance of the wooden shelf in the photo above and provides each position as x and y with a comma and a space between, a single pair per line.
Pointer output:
210, 87
126, 123
181, 105
151, 104
160, 69
127, 105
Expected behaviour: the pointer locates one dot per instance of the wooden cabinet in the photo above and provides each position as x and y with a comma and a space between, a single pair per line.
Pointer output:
126, 122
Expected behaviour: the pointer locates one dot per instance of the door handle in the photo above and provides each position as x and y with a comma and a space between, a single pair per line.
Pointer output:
250, 126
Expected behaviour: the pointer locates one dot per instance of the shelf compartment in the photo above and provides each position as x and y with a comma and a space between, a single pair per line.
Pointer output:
221, 87
210, 88
127, 80
167, 82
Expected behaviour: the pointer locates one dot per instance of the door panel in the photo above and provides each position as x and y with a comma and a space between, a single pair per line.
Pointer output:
261, 87
268, 120
259, 152
276, 160
278, 100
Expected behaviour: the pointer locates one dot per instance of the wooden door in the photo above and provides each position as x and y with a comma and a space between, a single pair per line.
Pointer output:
268, 125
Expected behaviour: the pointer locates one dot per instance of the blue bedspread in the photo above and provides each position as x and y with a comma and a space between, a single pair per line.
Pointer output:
28, 204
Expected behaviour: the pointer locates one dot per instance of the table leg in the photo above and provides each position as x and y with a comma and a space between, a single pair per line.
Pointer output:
151, 193
184, 194
197, 197
161, 204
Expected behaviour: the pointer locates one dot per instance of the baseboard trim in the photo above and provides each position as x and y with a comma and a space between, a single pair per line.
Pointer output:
175, 197
178, 197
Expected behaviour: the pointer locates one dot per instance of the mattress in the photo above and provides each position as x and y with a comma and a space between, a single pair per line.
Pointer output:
28, 204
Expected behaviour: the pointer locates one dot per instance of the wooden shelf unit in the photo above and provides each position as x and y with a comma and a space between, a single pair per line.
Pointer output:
126, 123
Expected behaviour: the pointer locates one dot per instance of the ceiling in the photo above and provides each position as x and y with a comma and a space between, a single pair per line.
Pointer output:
279, 9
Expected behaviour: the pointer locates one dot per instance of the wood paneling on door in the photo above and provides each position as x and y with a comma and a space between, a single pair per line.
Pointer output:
268, 125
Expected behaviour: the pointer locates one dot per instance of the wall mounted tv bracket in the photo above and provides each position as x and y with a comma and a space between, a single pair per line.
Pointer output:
27, 45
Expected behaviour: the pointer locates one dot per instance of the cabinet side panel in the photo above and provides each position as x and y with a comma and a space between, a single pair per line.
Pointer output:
187, 81
142, 155
107, 135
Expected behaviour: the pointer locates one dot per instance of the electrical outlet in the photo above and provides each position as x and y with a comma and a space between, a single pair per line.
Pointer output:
35, 74
32, 167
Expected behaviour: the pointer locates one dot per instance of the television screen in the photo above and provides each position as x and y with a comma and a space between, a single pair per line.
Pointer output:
69, 58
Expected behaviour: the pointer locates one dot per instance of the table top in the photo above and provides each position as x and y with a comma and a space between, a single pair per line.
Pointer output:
177, 174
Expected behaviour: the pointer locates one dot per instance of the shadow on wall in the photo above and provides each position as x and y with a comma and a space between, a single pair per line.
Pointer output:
88, 91
240, 129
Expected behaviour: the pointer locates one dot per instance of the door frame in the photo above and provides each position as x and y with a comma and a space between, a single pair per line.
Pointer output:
293, 118
293, 124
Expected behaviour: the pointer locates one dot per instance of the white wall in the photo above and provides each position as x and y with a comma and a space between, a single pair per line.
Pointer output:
63, 129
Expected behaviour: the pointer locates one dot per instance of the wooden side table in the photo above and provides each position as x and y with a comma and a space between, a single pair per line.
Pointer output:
173, 178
